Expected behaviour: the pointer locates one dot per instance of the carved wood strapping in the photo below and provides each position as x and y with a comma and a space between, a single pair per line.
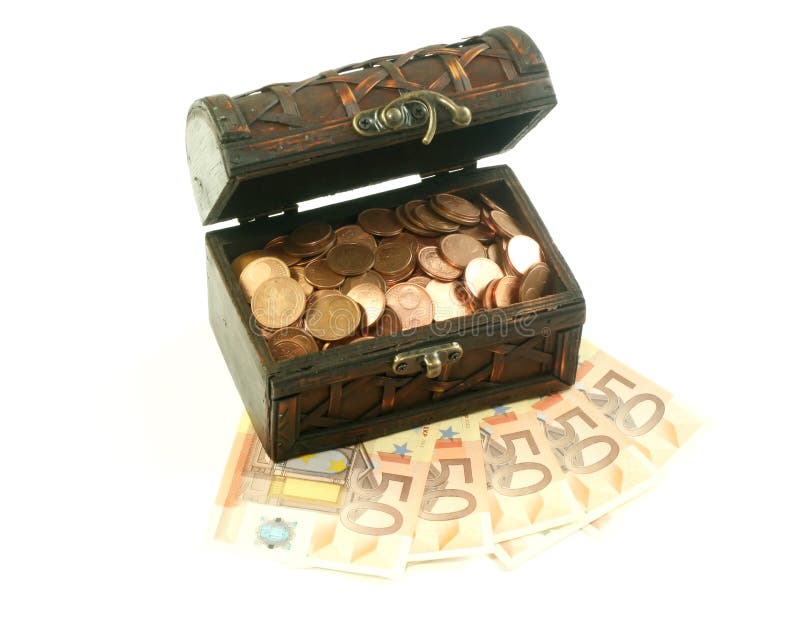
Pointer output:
276, 103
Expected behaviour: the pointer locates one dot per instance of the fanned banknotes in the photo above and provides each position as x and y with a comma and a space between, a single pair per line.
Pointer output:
511, 480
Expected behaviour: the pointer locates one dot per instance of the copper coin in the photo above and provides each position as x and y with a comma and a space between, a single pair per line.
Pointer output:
488, 294
274, 248
321, 293
432, 221
379, 222
298, 273
412, 304
260, 270
422, 281
459, 249
449, 300
406, 221
432, 264
479, 273
504, 224
371, 299
286, 349
522, 253
238, 264
482, 233
370, 276
278, 302
506, 292
320, 275
311, 234
355, 233
412, 241
393, 258
360, 338
495, 253
332, 317
491, 203
400, 276
536, 283
388, 324
301, 336
350, 259
456, 209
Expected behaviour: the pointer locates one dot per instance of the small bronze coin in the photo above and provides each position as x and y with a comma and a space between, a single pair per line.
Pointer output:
298, 273
409, 223
370, 276
504, 224
260, 270
482, 233
506, 291
479, 273
412, 304
412, 241
449, 300
305, 340
393, 258
278, 302
313, 234
432, 221
332, 317
355, 233
536, 283
286, 349
432, 264
274, 248
371, 299
388, 324
456, 209
350, 259
522, 253
321, 276
491, 204
488, 294
239, 264
495, 253
422, 281
379, 222
459, 249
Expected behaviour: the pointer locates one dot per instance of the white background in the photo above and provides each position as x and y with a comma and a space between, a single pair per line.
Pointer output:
667, 175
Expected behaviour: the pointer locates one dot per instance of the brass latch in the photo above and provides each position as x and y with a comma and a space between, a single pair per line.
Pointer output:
409, 111
429, 359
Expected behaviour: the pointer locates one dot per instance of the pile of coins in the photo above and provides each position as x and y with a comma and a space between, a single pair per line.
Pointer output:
424, 261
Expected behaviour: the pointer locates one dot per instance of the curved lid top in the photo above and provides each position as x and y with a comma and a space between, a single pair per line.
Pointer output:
259, 152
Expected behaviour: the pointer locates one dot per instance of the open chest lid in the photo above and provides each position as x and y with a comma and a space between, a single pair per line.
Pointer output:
261, 152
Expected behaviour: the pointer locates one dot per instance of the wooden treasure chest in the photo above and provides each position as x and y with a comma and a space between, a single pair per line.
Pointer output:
373, 315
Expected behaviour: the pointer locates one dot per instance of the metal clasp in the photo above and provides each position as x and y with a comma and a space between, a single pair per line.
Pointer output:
429, 359
411, 110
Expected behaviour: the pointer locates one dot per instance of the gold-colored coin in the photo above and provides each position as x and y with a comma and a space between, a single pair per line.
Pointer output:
260, 270
379, 222
432, 264
370, 276
479, 273
503, 224
522, 253
278, 302
459, 249
392, 259
456, 209
350, 259
432, 221
298, 273
412, 304
355, 233
332, 317
320, 275
506, 291
372, 301
449, 300
536, 283
239, 264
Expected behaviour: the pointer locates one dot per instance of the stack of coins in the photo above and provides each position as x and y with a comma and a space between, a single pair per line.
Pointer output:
391, 270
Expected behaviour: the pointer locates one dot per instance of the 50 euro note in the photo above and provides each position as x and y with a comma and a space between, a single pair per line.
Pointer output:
454, 517
351, 509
